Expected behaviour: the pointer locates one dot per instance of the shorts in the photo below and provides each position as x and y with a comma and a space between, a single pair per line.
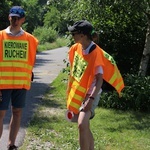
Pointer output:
95, 104
15, 96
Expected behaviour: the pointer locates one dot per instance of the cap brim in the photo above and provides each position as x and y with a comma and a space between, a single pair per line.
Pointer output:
72, 29
14, 15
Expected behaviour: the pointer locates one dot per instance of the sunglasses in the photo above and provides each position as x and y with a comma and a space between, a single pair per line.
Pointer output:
74, 33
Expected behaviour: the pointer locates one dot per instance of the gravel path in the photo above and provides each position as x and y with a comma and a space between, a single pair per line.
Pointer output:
47, 67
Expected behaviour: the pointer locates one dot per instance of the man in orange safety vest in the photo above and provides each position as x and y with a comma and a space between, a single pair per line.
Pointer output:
17, 58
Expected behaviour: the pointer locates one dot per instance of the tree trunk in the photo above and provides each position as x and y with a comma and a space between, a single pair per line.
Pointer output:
146, 53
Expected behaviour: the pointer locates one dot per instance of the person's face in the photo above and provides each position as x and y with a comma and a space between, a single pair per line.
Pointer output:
77, 36
16, 21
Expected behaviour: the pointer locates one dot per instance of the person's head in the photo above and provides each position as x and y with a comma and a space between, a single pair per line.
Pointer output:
16, 16
81, 29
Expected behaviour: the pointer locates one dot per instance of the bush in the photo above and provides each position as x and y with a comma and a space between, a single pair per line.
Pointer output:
60, 42
44, 34
135, 95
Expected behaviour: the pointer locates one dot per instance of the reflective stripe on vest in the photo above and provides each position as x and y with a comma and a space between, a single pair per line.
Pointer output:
14, 74
17, 82
15, 64
10, 75
116, 79
75, 96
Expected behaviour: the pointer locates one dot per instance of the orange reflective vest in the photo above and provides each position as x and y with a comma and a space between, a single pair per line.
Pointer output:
83, 71
17, 58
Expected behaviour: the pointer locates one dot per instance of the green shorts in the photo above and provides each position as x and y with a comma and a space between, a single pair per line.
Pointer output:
16, 97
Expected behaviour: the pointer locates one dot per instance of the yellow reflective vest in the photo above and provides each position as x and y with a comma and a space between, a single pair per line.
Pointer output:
82, 72
17, 58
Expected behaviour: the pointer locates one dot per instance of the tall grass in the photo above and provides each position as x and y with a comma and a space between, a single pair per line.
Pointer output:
112, 129
60, 42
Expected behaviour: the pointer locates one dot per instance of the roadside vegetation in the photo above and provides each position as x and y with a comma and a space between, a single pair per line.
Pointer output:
49, 38
113, 129
59, 42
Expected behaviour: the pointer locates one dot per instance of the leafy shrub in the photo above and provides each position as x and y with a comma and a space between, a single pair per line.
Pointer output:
135, 95
44, 34
60, 42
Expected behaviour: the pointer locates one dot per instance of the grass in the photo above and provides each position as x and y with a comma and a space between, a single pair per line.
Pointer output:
112, 129
60, 42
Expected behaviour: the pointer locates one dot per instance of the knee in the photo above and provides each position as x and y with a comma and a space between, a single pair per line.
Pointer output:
2, 114
82, 126
17, 112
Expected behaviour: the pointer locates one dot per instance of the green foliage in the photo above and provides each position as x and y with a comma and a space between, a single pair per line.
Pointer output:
49, 18
4, 11
135, 95
121, 26
55, 16
35, 10
45, 34
60, 42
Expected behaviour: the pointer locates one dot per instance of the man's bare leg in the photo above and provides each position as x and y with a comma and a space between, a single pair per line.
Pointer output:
14, 125
2, 115
91, 141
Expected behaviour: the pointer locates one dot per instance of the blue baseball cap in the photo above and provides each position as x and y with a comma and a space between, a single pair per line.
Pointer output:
17, 11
